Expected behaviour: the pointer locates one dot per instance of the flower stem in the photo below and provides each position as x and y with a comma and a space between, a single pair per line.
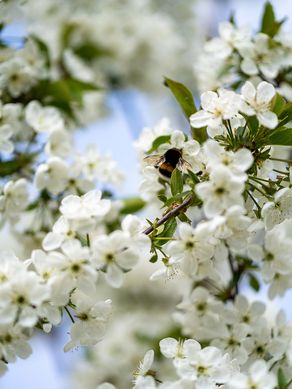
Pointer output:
289, 161
69, 314
255, 202
88, 240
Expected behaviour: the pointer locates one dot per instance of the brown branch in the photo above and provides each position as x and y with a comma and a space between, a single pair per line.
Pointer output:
173, 213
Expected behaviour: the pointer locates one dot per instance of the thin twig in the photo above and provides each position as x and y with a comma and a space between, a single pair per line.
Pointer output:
254, 200
88, 240
289, 161
234, 274
173, 213
69, 314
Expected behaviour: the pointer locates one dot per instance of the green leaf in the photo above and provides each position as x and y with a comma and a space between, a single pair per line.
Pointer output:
183, 218
254, 282
62, 93
279, 104
252, 123
66, 34
286, 115
199, 134
177, 198
169, 228
270, 25
282, 382
159, 141
168, 231
8, 168
176, 182
282, 137
183, 96
194, 177
154, 258
90, 51
132, 205
162, 197
43, 48
268, 18
232, 19
185, 100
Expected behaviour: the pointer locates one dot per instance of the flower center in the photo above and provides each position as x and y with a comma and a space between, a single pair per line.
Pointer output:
109, 257
75, 268
83, 316
20, 300
189, 245
269, 256
220, 191
202, 369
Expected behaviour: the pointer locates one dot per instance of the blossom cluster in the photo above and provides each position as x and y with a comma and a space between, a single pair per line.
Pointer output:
63, 277
237, 227
117, 43
204, 367
225, 191
42, 167
237, 55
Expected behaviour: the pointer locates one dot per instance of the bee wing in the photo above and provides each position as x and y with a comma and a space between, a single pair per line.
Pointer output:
154, 160
183, 165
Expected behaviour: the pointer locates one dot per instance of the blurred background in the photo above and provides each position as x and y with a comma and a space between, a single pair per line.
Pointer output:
129, 107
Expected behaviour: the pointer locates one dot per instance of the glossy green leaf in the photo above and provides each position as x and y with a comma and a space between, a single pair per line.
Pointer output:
183, 218
254, 282
66, 34
168, 231
132, 205
43, 48
8, 168
282, 382
270, 25
194, 177
90, 51
62, 93
158, 142
282, 137
268, 18
286, 115
185, 100
176, 182
183, 96
154, 258
279, 104
252, 123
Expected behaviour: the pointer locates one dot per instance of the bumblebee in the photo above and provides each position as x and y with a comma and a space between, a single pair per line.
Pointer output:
167, 162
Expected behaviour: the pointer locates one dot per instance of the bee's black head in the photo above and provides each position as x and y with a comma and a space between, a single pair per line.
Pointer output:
172, 156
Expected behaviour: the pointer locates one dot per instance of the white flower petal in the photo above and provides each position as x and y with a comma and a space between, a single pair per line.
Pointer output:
114, 276
168, 347
268, 119
248, 91
265, 92
200, 119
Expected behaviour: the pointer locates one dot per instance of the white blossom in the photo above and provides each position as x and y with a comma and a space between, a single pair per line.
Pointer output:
222, 191
258, 102
216, 107
114, 254
92, 320
43, 119
83, 212
52, 175
192, 248
275, 212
